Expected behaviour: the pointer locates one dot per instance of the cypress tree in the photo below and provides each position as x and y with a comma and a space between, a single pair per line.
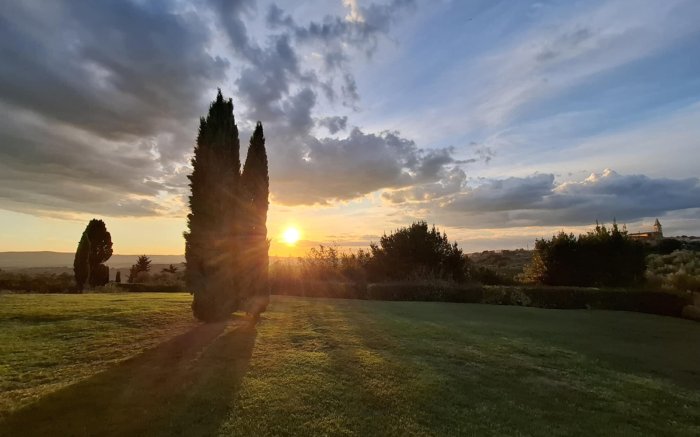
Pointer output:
256, 187
213, 240
80, 262
94, 248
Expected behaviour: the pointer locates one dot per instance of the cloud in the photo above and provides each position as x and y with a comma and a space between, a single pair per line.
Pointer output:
354, 13
101, 100
328, 169
561, 54
334, 124
539, 200
100, 104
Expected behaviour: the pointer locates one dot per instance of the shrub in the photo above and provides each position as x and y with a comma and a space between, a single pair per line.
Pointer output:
488, 276
678, 271
416, 252
588, 298
439, 291
37, 283
601, 257
151, 288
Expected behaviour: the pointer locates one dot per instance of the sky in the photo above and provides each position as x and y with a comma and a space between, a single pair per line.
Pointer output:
498, 121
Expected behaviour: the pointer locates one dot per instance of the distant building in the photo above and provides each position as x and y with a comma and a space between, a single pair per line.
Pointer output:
650, 236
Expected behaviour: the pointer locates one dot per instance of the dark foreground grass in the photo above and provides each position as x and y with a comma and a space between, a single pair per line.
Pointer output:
335, 367
51, 341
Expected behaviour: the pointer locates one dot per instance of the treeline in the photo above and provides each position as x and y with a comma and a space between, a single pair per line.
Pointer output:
416, 252
36, 282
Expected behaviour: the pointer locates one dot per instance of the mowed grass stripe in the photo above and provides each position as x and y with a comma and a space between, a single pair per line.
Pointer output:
51, 341
341, 367
419, 368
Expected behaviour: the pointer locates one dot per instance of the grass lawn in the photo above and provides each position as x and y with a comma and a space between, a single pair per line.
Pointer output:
334, 367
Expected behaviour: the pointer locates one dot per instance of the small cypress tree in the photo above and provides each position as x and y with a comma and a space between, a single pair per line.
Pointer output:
255, 181
212, 241
94, 248
118, 278
80, 263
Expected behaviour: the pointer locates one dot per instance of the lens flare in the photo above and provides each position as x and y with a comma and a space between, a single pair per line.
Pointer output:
291, 235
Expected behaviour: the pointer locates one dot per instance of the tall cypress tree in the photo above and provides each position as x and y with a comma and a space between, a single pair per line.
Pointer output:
212, 243
255, 182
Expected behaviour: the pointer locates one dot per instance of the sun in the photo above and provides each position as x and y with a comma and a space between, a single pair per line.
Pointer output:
291, 235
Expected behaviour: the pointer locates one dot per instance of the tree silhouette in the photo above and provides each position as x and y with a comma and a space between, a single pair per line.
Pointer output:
143, 264
255, 183
417, 251
170, 269
94, 248
213, 240
80, 263
118, 277
601, 257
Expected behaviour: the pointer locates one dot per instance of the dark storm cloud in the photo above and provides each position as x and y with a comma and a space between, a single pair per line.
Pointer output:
114, 68
100, 102
539, 201
343, 169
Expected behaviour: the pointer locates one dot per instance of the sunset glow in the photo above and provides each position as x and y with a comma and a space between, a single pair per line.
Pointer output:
291, 235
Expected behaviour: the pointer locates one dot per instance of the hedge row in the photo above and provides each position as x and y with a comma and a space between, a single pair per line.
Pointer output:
661, 303
150, 288
652, 302
37, 283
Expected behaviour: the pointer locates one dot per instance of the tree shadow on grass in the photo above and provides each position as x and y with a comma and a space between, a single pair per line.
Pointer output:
185, 386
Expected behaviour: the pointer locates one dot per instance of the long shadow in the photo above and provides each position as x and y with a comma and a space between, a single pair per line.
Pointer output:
185, 386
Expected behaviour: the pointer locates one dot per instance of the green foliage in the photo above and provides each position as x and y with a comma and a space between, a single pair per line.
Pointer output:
678, 271
668, 246
80, 263
170, 269
489, 276
226, 246
601, 257
255, 189
587, 298
417, 252
94, 249
502, 267
143, 263
36, 283
139, 271
437, 291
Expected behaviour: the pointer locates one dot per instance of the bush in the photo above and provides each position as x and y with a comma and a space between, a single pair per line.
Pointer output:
416, 252
678, 271
151, 288
37, 283
600, 258
488, 276
438, 291
667, 304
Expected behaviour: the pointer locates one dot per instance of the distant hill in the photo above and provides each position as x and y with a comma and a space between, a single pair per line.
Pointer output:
42, 260
60, 262
508, 263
